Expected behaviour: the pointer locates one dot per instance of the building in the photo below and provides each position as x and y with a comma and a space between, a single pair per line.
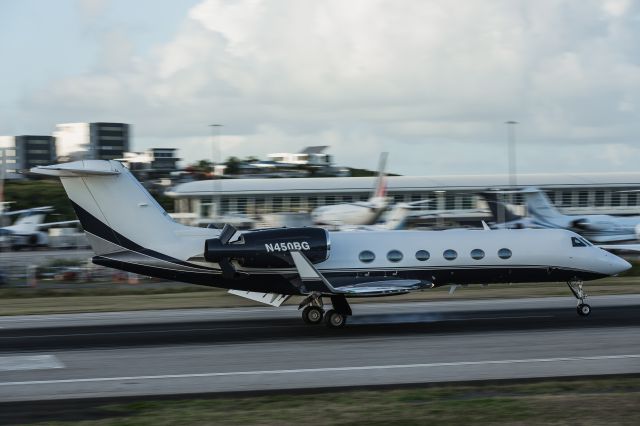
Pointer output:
584, 193
310, 156
21, 153
163, 159
92, 141
153, 163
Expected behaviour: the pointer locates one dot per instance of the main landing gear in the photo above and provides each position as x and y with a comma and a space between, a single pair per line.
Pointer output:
575, 285
313, 312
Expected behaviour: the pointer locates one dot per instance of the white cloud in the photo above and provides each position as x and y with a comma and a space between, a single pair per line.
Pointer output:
430, 81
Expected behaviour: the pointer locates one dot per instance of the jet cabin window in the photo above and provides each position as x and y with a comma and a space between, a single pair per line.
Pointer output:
477, 254
450, 254
394, 256
504, 253
367, 256
422, 255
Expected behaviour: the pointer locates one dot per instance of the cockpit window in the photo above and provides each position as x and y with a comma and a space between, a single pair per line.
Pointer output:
578, 242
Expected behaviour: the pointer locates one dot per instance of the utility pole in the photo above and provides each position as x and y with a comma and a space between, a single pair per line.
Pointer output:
215, 154
511, 140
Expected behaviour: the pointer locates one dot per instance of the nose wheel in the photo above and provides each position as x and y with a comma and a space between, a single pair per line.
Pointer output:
583, 309
575, 286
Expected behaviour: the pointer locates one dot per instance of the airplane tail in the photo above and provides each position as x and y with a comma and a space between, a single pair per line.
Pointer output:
115, 210
540, 207
499, 210
380, 189
28, 222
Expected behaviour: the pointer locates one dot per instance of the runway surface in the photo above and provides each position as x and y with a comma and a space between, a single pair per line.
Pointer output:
221, 350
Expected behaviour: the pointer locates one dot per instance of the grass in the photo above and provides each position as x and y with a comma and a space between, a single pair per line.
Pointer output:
80, 298
611, 401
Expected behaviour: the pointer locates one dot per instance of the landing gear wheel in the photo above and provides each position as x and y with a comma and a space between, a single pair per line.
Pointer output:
312, 315
583, 309
333, 319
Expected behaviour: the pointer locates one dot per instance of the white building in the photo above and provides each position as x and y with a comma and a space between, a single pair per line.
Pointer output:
152, 161
92, 141
572, 193
8, 154
310, 156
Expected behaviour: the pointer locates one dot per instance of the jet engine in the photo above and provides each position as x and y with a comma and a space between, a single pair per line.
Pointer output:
267, 248
590, 225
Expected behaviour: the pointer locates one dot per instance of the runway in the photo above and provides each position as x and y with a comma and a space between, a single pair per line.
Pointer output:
224, 350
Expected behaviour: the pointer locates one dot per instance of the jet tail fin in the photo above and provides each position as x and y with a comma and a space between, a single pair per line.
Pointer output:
115, 210
539, 205
499, 210
380, 189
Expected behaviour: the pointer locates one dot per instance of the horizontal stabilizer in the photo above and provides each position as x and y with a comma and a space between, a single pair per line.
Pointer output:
266, 298
78, 168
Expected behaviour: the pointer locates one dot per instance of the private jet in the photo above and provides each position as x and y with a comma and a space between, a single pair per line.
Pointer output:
27, 230
128, 230
359, 212
597, 228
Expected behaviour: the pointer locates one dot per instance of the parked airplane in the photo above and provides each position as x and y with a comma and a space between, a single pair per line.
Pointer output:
128, 230
26, 231
399, 214
503, 215
23, 231
360, 212
598, 228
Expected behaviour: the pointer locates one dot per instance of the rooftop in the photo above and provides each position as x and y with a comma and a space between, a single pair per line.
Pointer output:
314, 149
401, 183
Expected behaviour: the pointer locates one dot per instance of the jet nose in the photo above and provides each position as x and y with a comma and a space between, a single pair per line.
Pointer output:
618, 264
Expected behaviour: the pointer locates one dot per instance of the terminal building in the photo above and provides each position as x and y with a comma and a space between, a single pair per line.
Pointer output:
91, 141
581, 193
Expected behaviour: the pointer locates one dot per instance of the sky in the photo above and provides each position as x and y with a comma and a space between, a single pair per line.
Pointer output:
430, 81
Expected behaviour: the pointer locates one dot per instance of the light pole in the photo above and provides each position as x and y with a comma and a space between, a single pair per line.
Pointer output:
215, 131
511, 136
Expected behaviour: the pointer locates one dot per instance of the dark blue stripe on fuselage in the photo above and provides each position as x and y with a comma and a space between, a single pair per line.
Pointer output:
93, 225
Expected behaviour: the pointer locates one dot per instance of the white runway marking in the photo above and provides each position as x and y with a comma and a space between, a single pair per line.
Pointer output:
324, 370
29, 362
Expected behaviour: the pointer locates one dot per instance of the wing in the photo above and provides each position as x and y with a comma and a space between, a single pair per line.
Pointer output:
313, 280
383, 288
52, 224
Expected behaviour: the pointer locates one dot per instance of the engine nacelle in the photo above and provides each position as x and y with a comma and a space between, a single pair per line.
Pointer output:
270, 248
590, 224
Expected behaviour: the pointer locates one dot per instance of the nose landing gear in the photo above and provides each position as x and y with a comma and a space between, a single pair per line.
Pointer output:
575, 285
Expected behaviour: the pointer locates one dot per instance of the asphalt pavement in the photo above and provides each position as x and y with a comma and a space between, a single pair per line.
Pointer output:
253, 349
